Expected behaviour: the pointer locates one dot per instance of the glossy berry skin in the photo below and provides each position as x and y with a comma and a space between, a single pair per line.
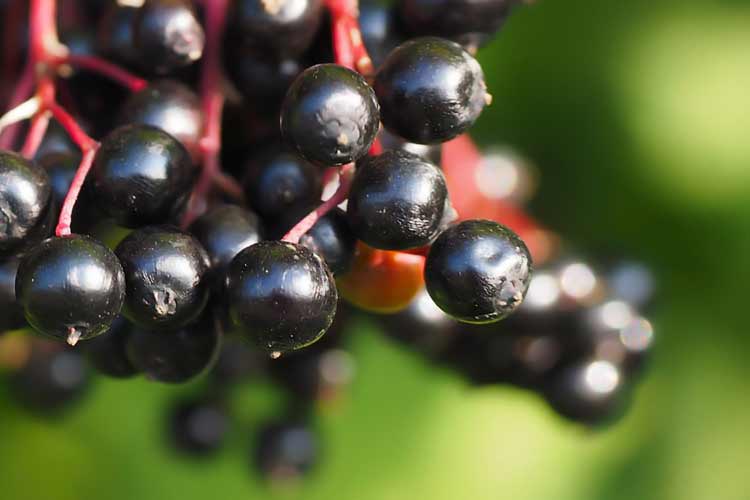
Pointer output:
12, 313
115, 37
278, 182
52, 379
197, 428
142, 175
332, 238
262, 78
25, 200
107, 354
470, 22
285, 451
281, 295
71, 283
590, 391
282, 28
178, 356
224, 231
170, 106
380, 28
430, 90
397, 201
330, 115
167, 35
166, 271
478, 271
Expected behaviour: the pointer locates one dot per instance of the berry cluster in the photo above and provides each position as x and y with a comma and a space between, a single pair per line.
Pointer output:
196, 219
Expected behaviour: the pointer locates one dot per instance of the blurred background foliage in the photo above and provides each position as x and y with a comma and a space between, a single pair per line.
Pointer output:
637, 114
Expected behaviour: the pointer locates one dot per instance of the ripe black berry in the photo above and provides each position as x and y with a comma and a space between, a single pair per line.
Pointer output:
590, 391
70, 288
397, 201
330, 115
279, 27
381, 32
470, 22
478, 271
170, 106
285, 451
115, 37
25, 201
106, 353
166, 275
430, 90
197, 427
176, 356
52, 379
281, 295
11, 313
278, 182
262, 78
142, 175
224, 231
333, 239
167, 35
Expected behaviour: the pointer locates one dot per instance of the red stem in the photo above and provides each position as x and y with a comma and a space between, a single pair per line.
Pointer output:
36, 132
66, 213
213, 105
346, 174
107, 69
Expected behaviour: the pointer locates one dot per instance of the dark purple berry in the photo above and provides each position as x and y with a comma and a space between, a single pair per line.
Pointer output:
478, 271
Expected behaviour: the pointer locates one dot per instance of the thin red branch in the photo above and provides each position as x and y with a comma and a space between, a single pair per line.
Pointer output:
105, 68
66, 212
36, 132
346, 174
213, 105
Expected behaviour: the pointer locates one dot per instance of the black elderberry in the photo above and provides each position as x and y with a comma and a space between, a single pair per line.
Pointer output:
167, 35
11, 313
107, 352
25, 203
332, 238
397, 201
176, 356
52, 379
590, 391
166, 272
224, 231
280, 27
197, 428
330, 115
279, 182
470, 22
478, 271
285, 451
170, 106
71, 288
280, 295
141, 175
430, 90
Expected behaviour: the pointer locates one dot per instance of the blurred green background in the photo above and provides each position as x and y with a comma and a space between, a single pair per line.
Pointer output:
638, 115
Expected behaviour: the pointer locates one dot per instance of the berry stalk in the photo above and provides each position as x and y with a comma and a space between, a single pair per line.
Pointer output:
213, 105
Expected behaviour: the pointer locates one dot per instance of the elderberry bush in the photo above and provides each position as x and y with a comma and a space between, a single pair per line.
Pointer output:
228, 261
